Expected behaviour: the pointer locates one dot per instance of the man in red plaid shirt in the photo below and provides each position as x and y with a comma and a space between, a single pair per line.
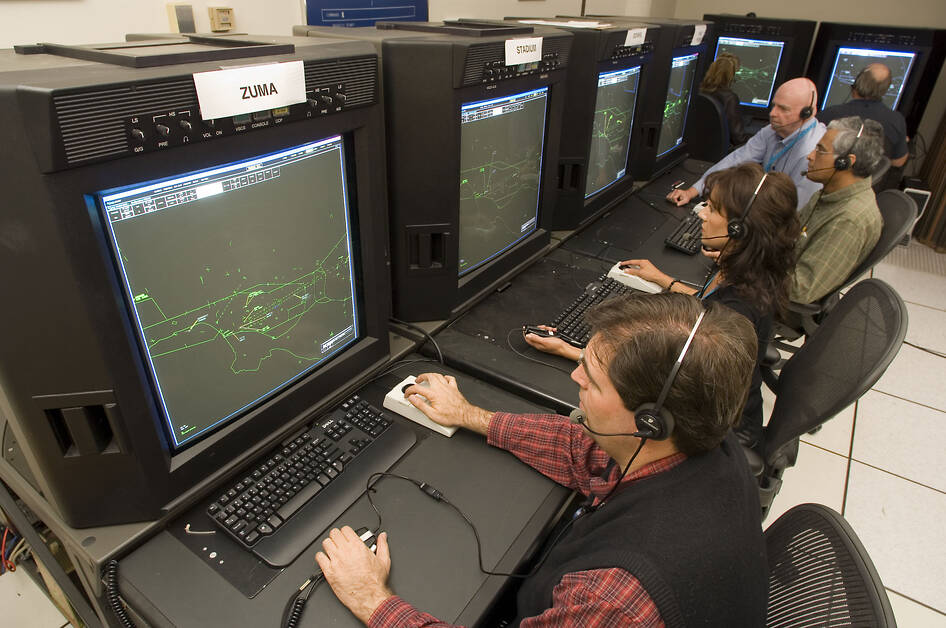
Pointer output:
673, 533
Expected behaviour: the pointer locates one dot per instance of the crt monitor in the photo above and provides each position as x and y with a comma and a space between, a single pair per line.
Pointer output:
770, 51
502, 141
609, 65
914, 56
759, 61
195, 286
238, 284
677, 103
848, 63
473, 112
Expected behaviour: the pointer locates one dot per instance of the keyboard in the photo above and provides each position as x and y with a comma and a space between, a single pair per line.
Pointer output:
687, 236
282, 504
571, 321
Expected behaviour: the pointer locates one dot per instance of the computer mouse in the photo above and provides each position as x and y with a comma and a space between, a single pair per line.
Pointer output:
409, 384
626, 266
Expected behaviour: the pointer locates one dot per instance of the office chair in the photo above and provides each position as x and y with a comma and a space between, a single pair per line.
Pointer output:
820, 573
899, 214
838, 363
878, 178
707, 131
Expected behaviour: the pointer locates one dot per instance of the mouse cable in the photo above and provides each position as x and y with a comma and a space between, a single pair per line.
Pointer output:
296, 604
531, 359
426, 335
436, 495
393, 366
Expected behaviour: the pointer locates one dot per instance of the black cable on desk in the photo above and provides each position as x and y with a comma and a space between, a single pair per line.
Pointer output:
531, 359
425, 334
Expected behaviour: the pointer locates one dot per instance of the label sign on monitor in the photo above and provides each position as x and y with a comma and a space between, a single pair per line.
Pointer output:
698, 31
231, 92
526, 50
635, 37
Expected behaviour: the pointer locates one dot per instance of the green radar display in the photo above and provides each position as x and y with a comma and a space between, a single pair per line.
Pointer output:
611, 133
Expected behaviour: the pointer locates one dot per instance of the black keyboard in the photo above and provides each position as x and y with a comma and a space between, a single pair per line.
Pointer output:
571, 321
280, 506
687, 236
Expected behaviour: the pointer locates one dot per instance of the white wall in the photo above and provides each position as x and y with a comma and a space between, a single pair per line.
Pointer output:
451, 9
98, 21
916, 13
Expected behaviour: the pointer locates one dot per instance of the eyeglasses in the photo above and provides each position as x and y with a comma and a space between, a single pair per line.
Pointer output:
824, 152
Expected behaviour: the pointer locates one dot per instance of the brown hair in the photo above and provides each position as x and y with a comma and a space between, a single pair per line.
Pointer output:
760, 265
640, 337
721, 73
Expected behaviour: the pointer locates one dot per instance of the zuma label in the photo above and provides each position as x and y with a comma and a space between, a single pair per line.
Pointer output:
527, 50
238, 91
255, 91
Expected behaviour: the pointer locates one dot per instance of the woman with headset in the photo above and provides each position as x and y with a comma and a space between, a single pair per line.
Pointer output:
750, 227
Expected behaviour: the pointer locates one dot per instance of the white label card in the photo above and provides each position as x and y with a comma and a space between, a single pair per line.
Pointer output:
635, 37
235, 91
527, 50
698, 31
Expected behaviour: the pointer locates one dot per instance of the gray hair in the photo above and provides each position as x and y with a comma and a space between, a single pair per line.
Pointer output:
867, 149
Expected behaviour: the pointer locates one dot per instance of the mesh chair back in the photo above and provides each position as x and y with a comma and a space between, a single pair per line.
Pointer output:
820, 573
899, 213
838, 363
879, 175
707, 132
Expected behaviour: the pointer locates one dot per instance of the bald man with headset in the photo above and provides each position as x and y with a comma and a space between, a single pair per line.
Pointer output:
781, 146
670, 534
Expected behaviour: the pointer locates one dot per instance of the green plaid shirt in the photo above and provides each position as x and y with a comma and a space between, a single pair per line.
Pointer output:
840, 229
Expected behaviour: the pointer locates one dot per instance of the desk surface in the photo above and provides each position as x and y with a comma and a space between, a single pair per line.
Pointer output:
487, 342
433, 550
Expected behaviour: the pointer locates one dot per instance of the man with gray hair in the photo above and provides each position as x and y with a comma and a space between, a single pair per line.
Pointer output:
841, 223
867, 94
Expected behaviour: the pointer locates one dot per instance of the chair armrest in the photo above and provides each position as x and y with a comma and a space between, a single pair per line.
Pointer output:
756, 464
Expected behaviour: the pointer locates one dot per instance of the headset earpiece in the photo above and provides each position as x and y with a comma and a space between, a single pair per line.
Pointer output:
653, 422
808, 110
738, 228
843, 162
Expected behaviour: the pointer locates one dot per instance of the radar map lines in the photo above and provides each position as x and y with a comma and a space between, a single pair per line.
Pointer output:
611, 129
270, 310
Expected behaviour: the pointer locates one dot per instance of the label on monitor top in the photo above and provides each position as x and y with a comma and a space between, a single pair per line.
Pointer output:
526, 50
236, 91
635, 36
698, 31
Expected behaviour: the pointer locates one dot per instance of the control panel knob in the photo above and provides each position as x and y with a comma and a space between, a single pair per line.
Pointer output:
138, 134
162, 130
326, 99
313, 103
341, 98
186, 125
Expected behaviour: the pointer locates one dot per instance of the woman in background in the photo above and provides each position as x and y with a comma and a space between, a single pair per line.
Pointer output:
717, 84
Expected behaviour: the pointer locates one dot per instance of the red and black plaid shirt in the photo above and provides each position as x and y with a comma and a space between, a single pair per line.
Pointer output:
596, 598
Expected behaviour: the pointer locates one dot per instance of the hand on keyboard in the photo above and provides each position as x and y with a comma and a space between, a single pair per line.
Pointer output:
551, 344
357, 576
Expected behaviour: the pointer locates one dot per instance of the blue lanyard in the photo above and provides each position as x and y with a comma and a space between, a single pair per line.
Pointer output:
702, 294
801, 134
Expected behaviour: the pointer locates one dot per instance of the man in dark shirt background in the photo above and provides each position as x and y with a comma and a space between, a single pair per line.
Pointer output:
867, 93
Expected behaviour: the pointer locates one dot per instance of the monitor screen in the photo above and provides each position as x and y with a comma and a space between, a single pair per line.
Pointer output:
849, 62
502, 141
240, 279
682, 73
611, 133
758, 66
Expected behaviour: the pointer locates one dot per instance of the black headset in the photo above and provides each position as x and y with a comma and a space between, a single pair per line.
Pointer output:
651, 420
843, 162
738, 228
808, 110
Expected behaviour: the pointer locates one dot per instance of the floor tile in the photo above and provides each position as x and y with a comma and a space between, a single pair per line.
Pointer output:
24, 604
926, 327
917, 376
908, 613
901, 437
817, 477
900, 524
914, 286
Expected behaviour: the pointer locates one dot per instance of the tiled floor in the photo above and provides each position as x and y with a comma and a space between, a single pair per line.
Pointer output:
879, 463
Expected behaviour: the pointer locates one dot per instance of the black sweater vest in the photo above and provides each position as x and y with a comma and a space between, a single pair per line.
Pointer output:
692, 536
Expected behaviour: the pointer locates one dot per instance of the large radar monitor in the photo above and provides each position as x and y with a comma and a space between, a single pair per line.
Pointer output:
759, 61
849, 62
501, 146
240, 281
611, 134
682, 73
